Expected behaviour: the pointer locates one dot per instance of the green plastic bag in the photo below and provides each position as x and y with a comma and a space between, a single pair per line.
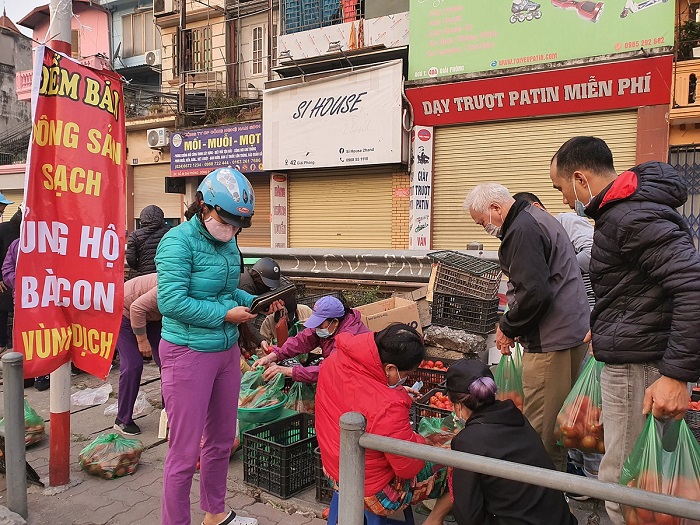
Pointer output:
259, 394
665, 459
252, 379
579, 422
509, 381
439, 432
301, 398
111, 456
33, 425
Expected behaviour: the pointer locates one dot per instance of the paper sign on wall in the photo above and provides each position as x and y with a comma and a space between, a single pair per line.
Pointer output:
280, 221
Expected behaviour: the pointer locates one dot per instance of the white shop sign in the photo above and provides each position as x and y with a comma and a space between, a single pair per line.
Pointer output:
421, 189
280, 219
352, 119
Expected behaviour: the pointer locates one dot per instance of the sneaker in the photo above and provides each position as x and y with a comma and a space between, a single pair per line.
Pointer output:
41, 383
128, 429
234, 519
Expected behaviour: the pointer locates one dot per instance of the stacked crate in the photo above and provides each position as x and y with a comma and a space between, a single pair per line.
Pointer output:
465, 293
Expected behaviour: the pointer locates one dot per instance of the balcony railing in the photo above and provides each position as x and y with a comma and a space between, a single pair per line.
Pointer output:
23, 79
302, 15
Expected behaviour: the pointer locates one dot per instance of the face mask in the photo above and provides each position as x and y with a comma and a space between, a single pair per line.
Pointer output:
220, 232
400, 382
323, 333
491, 228
580, 207
459, 420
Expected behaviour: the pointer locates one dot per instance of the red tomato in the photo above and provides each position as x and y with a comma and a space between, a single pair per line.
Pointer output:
430, 364
589, 443
438, 364
666, 519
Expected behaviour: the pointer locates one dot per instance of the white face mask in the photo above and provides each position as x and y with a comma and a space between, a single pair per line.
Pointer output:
220, 232
491, 228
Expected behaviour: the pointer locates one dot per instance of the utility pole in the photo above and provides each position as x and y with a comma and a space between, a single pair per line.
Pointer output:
181, 56
60, 14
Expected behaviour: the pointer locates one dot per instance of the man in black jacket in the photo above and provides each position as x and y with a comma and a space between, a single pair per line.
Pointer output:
645, 272
264, 276
548, 310
143, 242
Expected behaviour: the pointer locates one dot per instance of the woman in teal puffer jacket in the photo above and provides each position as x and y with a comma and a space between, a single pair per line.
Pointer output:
198, 265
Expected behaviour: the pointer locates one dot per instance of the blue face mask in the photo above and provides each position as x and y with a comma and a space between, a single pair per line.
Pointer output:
323, 333
400, 382
580, 207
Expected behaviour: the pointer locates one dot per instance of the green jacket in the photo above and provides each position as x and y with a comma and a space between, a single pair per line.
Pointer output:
197, 285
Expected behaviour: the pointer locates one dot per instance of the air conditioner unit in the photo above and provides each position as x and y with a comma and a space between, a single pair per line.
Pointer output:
164, 7
153, 58
158, 138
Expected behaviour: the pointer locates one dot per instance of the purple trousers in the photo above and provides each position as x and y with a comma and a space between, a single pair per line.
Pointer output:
201, 395
131, 366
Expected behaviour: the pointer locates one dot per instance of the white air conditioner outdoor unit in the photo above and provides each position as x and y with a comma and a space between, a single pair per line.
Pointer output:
153, 58
158, 138
164, 7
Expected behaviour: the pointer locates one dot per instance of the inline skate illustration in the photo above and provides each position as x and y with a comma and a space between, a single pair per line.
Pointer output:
524, 10
633, 7
590, 11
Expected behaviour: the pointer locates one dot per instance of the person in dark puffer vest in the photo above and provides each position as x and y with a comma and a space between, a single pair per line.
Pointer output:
645, 272
143, 242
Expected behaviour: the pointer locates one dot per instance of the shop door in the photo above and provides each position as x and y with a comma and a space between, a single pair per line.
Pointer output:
149, 188
259, 233
686, 159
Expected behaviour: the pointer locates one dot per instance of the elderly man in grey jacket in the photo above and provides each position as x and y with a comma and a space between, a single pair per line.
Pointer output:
548, 310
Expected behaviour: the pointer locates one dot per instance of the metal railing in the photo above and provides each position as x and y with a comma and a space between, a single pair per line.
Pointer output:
15, 454
354, 441
380, 265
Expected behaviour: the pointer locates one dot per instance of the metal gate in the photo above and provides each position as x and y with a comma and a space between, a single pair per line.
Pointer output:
686, 159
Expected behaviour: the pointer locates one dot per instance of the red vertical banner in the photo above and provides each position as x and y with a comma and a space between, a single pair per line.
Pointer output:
69, 291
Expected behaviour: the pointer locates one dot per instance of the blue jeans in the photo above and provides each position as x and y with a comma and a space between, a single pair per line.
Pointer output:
623, 389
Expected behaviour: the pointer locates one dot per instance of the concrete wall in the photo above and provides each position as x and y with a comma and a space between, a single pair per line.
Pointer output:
376, 8
93, 27
15, 55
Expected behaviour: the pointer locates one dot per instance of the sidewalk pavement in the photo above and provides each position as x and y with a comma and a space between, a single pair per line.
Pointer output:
136, 499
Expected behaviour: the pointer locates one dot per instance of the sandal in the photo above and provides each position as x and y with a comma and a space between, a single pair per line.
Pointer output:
233, 519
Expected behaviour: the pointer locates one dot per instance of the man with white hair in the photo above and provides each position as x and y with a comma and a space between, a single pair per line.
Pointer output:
548, 310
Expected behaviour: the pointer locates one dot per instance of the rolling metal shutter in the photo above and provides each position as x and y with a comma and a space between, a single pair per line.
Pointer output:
259, 233
516, 154
341, 209
149, 188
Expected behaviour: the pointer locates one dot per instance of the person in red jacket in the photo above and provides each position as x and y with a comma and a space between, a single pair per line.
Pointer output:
366, 374
330, 318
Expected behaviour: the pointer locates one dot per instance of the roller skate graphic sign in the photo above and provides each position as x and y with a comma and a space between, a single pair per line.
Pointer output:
453, 38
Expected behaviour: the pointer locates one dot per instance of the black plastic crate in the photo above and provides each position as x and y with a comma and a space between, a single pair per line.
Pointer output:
324, 485
279, 457
477, 316
431, 378
422, 407
461, 274
310, 300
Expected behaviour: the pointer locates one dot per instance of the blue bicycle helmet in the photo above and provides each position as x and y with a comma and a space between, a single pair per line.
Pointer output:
228, 192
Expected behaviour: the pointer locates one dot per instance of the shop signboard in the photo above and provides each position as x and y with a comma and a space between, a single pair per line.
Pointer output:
456, 37
350, 119
603, 87
196, 152
420, 191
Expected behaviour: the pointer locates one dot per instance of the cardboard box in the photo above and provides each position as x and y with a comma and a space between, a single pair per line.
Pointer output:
381, 314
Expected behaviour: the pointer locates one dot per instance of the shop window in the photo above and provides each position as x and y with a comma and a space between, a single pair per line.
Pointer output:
198, 51
274, 45
139, 34
257, 45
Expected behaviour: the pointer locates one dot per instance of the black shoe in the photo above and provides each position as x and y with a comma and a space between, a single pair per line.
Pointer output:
41, 383
131, 429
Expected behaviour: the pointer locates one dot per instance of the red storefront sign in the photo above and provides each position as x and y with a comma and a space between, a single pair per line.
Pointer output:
69, 286
604, 87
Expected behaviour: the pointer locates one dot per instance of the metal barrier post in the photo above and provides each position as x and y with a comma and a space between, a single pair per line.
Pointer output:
15, 454
351, 507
